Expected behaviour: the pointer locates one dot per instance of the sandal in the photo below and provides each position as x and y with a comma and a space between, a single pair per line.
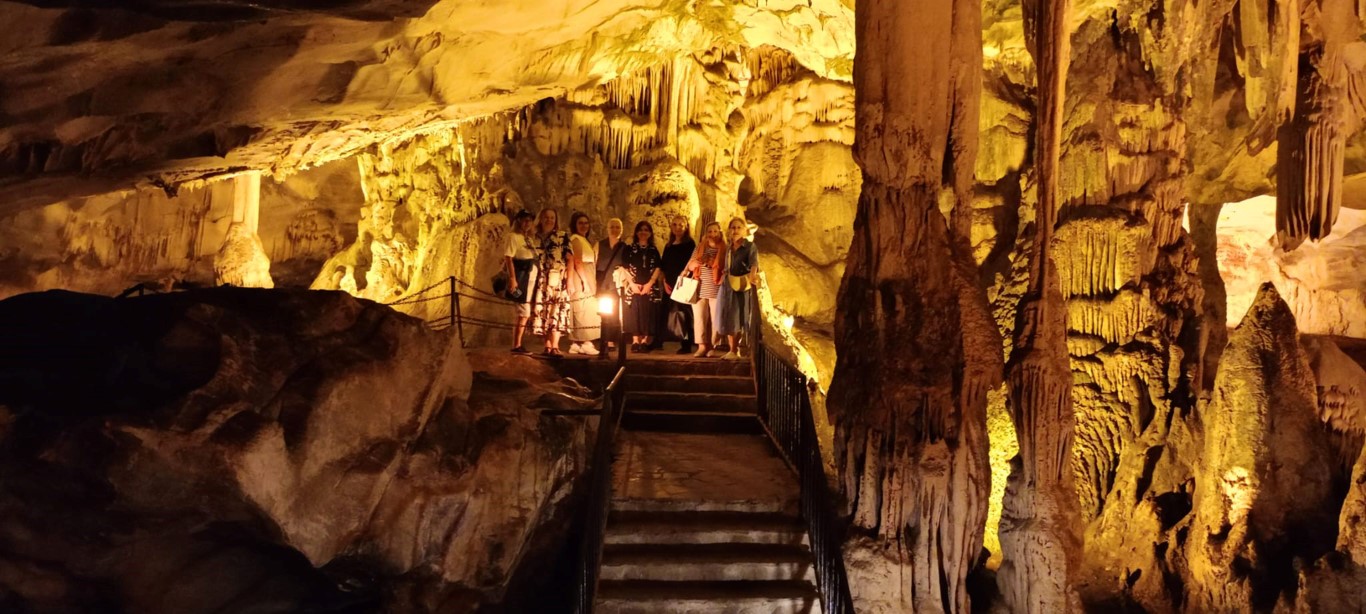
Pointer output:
520, 350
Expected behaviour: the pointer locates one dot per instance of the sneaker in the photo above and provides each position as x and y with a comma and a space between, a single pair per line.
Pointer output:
574, 348
586, 348
731, 356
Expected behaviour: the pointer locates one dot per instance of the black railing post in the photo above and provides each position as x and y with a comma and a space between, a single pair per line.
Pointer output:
785, 408
456, 319
621, 329
599, 496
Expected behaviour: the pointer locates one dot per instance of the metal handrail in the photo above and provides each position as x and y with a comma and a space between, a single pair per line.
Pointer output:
599, 495
785, 411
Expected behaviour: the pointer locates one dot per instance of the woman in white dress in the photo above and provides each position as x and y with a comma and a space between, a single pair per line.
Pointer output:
583, 287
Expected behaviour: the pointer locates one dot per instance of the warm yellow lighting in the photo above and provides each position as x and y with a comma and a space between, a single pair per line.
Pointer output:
607, 305
788, 321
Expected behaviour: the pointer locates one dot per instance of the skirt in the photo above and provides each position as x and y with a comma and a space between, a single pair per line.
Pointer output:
587, 321
736, 310
641, 315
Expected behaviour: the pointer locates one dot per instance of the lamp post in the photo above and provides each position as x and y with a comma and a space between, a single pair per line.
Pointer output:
607, 306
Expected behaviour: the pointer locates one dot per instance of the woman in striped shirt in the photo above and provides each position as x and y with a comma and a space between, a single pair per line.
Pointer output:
706, 266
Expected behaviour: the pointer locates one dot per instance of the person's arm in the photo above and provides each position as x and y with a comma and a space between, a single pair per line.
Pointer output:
657, 275
753, 264
507, 263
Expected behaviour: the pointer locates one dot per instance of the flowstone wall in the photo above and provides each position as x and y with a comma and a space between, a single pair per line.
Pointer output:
730, 132
105, 244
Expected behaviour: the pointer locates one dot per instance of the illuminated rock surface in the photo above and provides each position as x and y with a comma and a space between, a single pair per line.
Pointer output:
396, 138
249, 450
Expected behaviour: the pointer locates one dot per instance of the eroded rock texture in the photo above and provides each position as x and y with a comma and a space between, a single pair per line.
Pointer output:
271, 451
1264, 489
237, 84
917, 350
1319, 281
104, 244
1040, 542
732, 131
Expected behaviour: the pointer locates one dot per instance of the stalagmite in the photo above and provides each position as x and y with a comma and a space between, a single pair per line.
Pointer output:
242, 260
1264, 488
1040, 544
917, 348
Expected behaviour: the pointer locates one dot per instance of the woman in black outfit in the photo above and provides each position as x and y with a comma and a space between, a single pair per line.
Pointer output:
676, 256
645, 293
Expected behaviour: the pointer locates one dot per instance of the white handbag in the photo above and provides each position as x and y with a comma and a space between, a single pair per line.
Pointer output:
685, 291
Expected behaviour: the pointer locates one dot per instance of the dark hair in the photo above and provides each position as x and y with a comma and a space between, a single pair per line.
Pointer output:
574, 224
687, 229
523, 215
643, 224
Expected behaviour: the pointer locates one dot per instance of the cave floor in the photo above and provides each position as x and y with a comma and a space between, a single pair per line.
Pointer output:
702, 471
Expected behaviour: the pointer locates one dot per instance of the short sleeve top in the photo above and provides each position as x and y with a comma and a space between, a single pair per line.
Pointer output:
582, 248
520, 247
642, 260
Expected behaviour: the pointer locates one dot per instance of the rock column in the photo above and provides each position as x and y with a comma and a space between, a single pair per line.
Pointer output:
917, 348
1040, 542
242, 260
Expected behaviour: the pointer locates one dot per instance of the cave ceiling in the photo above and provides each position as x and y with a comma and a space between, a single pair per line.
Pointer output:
102, 96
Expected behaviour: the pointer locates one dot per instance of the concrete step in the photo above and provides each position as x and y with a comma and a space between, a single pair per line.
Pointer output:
761, 597
688, 366
706, 562
751, 506
681, 401
718, 384
691, 422
704, 528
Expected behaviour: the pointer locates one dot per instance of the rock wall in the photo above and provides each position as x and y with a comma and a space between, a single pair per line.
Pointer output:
734, 131
249, 450
105, 244
1319, 281
103, 97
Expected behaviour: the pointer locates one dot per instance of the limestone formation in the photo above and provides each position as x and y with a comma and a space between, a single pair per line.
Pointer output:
108, 243
917, 352
242, 261
1040, 544
250, 450
1264, 488
1123, 216
1317, 280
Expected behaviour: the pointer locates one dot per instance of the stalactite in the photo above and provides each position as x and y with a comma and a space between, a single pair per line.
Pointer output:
1040, 540
917, 348
1310, 157
1100, 255
1116, 319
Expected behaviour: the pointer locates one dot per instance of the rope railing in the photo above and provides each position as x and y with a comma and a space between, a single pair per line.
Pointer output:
454, 289
785, 410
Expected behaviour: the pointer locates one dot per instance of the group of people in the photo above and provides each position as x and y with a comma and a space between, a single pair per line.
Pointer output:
555, 278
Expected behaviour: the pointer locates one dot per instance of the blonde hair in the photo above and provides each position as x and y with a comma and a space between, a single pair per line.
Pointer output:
541, 216
618, 222
738, 220
701, 245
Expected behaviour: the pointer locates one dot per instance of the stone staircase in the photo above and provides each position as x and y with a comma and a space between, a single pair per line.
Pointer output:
704, 511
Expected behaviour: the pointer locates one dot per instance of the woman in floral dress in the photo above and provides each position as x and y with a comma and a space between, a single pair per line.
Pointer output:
550, 301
